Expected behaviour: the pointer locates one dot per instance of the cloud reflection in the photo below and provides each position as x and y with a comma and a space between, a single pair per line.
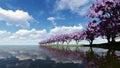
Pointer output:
51, 57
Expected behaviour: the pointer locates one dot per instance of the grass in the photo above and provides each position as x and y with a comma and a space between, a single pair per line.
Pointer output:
115, 46
70, 45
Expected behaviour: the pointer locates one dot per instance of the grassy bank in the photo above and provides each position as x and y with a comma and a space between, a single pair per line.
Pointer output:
115, 45
70, 45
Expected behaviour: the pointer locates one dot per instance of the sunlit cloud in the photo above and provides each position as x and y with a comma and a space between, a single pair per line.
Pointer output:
52, 19
24, 36
65, 29
75, 6
17, 18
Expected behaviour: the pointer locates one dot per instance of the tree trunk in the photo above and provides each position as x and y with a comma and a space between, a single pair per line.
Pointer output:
91, 42
77, 42
113, 39
62, 43
67, 42
108, 39
57, 43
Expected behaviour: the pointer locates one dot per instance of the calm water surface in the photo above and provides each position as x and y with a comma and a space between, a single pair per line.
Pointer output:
52, 57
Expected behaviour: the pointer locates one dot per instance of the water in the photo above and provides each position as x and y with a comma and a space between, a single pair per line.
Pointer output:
52, 57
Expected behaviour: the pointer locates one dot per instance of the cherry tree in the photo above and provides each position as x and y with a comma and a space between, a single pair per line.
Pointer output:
91, 31
108, 13
76, 37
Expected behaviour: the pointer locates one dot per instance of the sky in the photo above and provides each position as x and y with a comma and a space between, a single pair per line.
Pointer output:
26, 22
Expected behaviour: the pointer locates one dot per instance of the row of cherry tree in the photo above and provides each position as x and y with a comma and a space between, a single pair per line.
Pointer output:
106, 23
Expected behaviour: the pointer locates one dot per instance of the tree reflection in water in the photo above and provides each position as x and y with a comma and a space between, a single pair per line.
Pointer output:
110, 60
91, 59
66, 52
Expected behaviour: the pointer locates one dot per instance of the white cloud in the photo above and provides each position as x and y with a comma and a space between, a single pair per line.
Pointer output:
4, 34
33, 36
28, 34
83, 11
99, 40
18, 18
52, 19
65, 29
22, 37
76, 6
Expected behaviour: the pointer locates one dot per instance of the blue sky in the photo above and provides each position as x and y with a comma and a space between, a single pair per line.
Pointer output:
29, 21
